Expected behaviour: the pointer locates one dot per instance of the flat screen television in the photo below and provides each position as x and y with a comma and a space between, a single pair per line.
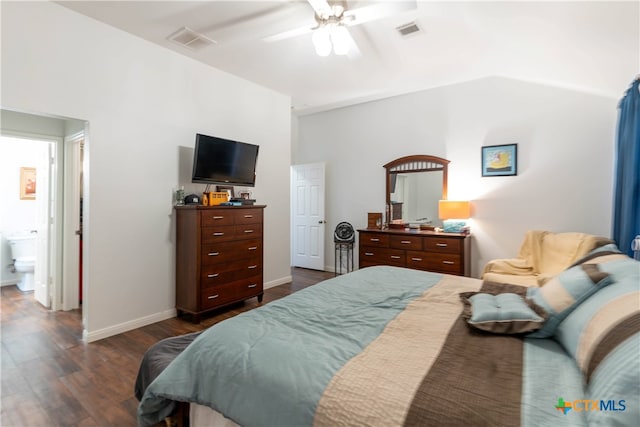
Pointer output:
224, 162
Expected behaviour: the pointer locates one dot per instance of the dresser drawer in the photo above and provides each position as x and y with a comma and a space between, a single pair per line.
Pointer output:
213, 276
226, 233
445, 263
374, 239
382, 256
249, 287
218, 295
218, 233
216, 272
248, 231
406, 242
229, 252
229, 292
418, 260
249, 216
215, 218
248, 269
444, 245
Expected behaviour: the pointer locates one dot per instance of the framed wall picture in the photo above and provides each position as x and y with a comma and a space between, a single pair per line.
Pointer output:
500, 160
27, 183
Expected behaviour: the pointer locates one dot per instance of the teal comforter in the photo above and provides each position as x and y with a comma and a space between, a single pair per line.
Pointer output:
388, 346
270, 366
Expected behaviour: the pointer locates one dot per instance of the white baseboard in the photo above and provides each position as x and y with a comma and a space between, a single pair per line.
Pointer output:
277, 282
127, 326
158, 317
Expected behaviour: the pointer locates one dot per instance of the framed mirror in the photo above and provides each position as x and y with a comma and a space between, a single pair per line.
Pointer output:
414, 186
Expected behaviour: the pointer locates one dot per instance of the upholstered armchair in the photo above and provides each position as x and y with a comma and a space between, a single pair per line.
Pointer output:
542, 255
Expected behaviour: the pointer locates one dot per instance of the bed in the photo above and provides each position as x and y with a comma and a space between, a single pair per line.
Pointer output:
392, 346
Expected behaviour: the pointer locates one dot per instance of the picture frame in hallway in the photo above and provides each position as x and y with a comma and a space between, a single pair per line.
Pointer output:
27, 183
500, 160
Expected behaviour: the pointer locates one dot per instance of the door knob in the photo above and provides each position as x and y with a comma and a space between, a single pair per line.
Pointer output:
322, 221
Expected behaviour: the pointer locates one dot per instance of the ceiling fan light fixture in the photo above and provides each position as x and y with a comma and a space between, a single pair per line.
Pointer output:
322, 41
340, 39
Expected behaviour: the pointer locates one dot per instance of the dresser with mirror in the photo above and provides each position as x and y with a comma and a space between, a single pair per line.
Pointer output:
414, 185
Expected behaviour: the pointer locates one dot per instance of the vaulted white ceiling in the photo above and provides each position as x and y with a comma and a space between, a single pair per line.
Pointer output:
584, 45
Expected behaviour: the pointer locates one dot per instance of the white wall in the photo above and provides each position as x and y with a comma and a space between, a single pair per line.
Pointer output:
143, 104
565, 147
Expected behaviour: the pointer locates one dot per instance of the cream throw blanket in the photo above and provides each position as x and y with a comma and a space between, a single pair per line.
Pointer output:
543, 255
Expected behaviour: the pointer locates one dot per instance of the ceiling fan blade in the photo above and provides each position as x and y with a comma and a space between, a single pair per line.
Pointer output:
320, 6
377, 11
289, 34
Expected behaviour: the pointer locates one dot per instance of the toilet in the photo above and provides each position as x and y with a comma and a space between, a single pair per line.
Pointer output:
23, 253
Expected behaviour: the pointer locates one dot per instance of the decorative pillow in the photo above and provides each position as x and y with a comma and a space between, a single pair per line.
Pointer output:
506, 313
618, 375
602, 323
562, 294
601, 255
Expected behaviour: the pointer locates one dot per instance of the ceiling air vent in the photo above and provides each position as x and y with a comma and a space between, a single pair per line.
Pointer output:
190, 39
408, 29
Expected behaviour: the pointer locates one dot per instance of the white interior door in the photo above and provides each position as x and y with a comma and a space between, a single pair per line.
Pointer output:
308, 221
71, 226
43, 226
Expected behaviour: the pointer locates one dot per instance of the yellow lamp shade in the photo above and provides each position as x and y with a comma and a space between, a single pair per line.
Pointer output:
452, 209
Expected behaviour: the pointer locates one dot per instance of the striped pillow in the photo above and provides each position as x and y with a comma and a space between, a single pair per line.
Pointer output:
607, 319
562, 294
618, 375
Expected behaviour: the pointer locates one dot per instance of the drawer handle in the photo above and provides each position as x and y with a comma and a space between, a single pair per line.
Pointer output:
416, 259
219, 233
405, 242
218, 217
252, 286
248, 231
252, 248
448, 262
251, 267
248, 216
374, 240
213, 296
368, 253
395, 256
213, 253
442, 245
211, 276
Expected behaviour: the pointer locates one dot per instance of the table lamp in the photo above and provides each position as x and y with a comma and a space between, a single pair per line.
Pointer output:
454, 214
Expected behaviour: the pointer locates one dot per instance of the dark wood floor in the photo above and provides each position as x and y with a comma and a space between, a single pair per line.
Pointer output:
50, 377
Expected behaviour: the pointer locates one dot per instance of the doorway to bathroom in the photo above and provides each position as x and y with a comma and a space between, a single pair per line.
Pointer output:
53, 148
27, 188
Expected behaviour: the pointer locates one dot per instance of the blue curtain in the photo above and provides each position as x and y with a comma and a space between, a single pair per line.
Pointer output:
626, 208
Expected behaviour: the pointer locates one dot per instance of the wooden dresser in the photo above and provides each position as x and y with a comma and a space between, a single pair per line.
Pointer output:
421, 250
218, 256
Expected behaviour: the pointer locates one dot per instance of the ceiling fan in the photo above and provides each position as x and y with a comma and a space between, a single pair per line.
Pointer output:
330, 31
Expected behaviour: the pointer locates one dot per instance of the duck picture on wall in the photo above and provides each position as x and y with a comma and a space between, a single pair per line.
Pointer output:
500, 160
